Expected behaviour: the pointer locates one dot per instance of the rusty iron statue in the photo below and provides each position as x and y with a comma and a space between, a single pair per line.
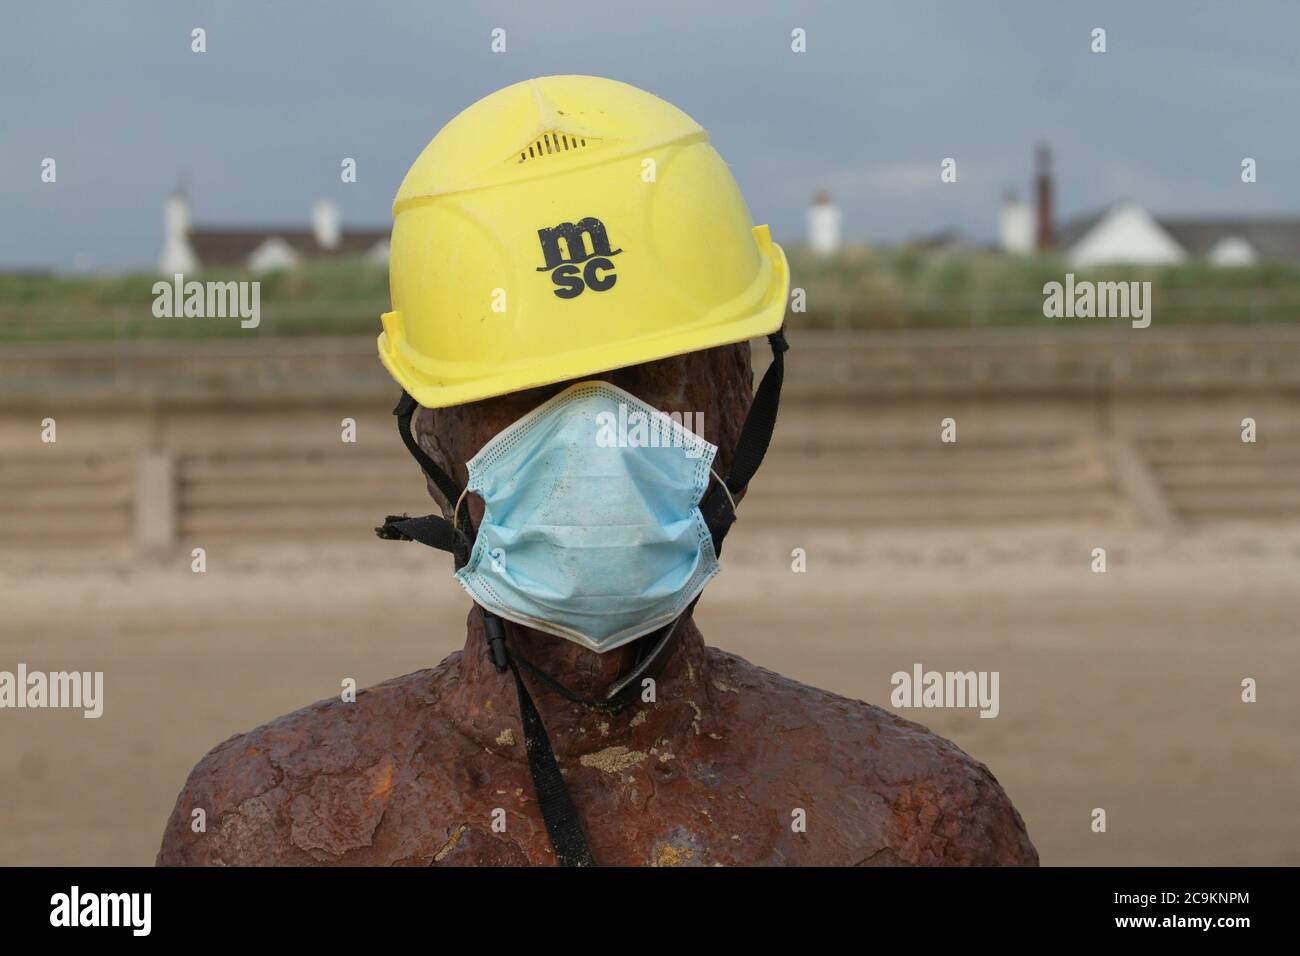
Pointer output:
568, 252
419, 769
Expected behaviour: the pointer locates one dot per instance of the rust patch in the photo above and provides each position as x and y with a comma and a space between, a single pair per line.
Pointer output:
450, 844
672, 856
382, 782
612, 759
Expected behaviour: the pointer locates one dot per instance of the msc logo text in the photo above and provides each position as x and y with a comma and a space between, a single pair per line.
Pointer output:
583, 262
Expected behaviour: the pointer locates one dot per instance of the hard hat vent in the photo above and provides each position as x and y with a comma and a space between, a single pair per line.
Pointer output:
552, 144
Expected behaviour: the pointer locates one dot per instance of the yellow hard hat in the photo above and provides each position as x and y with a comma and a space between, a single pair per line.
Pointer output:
562, 227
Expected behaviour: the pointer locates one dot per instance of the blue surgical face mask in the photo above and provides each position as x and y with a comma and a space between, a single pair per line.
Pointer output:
591, 529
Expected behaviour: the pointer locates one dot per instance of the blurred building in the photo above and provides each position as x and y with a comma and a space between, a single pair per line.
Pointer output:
1126, 231
1016, 225
187, 248
1022, 230
824, 225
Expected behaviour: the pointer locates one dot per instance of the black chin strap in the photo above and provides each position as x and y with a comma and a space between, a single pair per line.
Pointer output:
553, 800
755, 436
433, 530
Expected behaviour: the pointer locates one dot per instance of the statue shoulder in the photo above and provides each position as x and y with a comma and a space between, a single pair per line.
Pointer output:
899, 792
307, 788
947, 807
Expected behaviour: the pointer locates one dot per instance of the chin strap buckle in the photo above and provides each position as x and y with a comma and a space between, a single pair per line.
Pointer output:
496, 640
389, 530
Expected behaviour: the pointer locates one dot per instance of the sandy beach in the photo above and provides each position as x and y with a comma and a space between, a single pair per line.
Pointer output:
1118, 690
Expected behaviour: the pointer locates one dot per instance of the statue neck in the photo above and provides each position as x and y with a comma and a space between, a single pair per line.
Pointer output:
483, 703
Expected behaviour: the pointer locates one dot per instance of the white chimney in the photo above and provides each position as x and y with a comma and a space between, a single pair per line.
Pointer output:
176, 254
823, 225
326, 223
1016, 225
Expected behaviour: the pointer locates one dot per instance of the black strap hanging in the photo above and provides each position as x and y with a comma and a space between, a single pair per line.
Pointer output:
553, 800
558, 813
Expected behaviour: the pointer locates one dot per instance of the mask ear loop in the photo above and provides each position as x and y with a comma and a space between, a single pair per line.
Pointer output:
455, 512
724, 488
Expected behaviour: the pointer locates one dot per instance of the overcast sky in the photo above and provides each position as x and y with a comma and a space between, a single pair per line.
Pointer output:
258, 125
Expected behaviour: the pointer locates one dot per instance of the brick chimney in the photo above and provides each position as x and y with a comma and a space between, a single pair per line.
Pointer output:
1043, 233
